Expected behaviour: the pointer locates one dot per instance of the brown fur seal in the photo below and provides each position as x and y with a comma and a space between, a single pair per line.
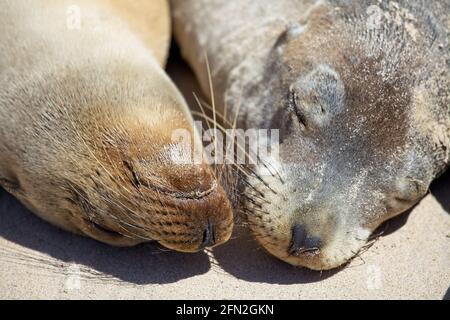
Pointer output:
87, 116
360, 93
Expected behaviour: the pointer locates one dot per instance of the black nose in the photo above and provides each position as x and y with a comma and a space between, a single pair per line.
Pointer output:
301, 243
209, 237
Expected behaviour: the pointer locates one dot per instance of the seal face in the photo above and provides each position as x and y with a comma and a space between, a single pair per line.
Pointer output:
86, 134
353, 154
362, 104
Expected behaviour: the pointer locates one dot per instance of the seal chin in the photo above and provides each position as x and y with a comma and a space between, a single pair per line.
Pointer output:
106, 235
301, 250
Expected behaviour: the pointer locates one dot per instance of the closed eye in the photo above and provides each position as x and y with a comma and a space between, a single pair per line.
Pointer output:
295, 109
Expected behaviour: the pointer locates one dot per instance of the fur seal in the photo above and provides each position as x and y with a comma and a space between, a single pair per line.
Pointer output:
360, 93
87, 116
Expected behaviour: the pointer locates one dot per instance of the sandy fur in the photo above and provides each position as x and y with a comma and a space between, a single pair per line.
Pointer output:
87, 115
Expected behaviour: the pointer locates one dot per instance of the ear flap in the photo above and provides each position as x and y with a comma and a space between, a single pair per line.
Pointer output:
318, 95
293, 30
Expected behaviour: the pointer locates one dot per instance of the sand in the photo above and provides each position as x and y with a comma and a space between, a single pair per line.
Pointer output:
411, 260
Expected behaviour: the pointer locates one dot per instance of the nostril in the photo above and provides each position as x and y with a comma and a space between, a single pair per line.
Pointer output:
298, 236
209, 237
301, 243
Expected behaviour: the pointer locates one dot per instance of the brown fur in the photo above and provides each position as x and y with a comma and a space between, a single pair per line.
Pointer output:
150, 20
87, 118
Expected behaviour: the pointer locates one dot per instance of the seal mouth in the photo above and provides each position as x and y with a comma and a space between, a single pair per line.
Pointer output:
103, 229
294, 252
208, 235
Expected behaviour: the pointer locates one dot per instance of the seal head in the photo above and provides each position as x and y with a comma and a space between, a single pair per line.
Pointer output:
106, 165
365, 126
87, 123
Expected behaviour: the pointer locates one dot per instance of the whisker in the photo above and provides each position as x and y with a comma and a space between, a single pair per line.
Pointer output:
213, 100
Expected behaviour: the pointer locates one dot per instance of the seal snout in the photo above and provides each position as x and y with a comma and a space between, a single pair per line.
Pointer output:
301, 243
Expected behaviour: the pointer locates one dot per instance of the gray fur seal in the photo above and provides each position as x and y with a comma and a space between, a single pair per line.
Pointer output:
87, 116
360, 93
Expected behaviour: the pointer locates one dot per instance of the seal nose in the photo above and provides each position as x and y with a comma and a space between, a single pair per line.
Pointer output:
301, 243
209, 237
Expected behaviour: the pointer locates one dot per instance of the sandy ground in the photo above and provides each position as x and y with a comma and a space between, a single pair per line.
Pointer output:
38, 261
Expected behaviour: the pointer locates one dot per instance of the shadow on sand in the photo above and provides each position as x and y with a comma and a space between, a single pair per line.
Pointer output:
441, 191
144, 264
245, 259
447, 295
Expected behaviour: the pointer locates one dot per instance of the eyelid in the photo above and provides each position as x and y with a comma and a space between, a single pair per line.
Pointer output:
294, 107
